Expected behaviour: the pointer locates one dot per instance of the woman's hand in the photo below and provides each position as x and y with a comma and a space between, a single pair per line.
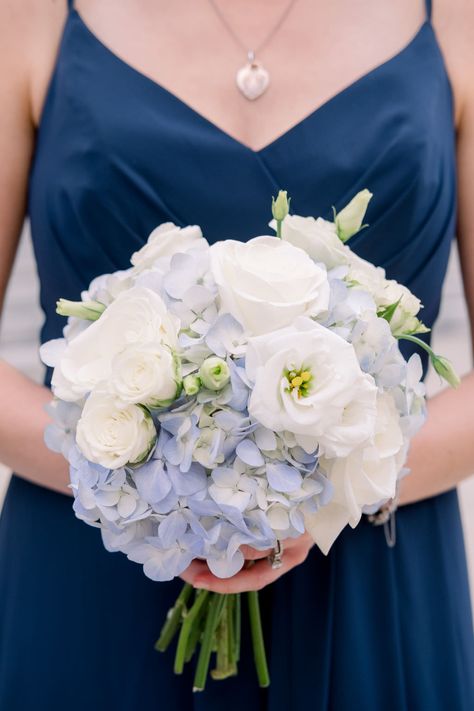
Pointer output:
258, 572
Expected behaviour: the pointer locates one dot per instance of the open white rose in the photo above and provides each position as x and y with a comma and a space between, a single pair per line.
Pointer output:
167, 239
308, 381
112, 436
136, 317
317, 237
145, 374
266, 283
367, 476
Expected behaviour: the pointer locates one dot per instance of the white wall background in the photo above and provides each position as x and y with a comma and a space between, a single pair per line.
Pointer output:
22, 318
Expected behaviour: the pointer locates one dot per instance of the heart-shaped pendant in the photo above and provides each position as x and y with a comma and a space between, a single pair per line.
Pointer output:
252, 80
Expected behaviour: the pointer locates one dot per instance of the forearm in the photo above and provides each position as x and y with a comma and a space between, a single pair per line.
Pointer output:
22, 423
442, 453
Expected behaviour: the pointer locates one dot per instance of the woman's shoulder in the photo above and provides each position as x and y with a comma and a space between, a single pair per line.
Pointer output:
30, 32
453, 22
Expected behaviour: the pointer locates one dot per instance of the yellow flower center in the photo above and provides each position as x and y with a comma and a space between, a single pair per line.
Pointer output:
299, 380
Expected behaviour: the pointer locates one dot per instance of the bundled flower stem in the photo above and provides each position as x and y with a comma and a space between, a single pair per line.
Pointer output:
213, 621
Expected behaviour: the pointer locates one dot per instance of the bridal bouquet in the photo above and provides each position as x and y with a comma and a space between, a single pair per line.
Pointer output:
240, 393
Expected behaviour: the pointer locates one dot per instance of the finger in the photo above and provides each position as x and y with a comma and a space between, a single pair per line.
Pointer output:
254, 578
197, 567
254, 554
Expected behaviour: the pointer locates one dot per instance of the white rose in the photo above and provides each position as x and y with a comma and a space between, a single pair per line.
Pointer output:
167, 239
307, 380
137, 316
385, 293
112, 436
317, 237
266, 283
146, 374
367, 476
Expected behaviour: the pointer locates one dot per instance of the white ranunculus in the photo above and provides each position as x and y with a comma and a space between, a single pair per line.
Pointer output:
136, 317
112, 436
308, 381
317, 237
367, 476
266, 283
165, 240
146, 374
386, 292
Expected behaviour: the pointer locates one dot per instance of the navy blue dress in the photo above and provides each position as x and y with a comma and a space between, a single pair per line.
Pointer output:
367, 627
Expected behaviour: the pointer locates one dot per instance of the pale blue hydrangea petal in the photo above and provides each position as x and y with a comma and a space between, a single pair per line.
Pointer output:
152, 481
265, 439
172, 528
249, 453
185, 484
282, 477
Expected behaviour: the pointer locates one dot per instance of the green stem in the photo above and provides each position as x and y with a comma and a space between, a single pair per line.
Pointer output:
225, 667
196, 631
188, 624
231, 629
257, 639
237, 626
213, 614
279, 223
419, 342
173, 619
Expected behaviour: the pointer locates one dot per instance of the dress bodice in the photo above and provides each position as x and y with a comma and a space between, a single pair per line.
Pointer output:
117, 154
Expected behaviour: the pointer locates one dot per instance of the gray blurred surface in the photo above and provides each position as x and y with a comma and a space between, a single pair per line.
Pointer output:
22, 320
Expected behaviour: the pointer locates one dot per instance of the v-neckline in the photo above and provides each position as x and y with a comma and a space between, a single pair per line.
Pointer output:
222, 131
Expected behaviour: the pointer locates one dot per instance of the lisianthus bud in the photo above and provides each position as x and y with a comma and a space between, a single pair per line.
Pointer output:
445, 369
350, 219
280, 206
87, 310
214, 373
191, 384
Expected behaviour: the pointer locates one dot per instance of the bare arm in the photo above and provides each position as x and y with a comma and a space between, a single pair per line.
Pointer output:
22, 417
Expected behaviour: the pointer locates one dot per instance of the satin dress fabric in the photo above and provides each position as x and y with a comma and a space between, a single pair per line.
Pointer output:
367, 627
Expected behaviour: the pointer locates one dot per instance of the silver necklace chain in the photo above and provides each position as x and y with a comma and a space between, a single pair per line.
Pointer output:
252, 53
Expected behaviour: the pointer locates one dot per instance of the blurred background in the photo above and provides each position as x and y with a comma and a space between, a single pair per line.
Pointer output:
21, 321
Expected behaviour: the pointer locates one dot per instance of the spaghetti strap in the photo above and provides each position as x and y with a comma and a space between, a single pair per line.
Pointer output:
428, 8
70, 4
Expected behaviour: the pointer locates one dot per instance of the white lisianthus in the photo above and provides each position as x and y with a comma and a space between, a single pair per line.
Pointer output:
317, 237
166, 240
385, 293
147, 374
307, 380
112, 436
367, 476
266, 283
136, 317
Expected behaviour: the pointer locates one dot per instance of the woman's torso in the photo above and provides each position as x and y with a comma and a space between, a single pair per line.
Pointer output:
117, 153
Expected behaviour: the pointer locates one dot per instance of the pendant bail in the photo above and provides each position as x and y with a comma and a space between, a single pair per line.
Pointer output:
250, 56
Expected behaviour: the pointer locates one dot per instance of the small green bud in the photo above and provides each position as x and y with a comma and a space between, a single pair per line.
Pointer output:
214, 373
87, 310
280, 206
445, 369
191, 384
350, 219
